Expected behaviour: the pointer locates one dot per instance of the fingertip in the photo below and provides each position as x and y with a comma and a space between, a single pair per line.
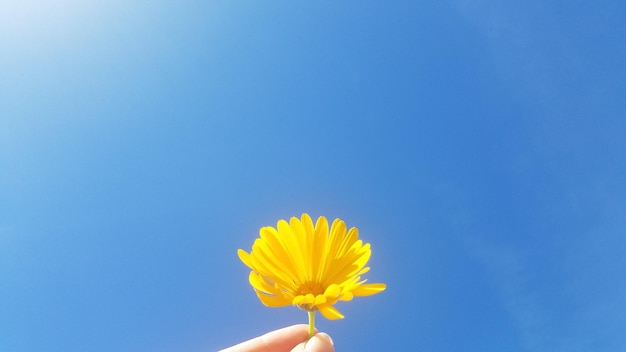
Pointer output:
326, 337
320, 342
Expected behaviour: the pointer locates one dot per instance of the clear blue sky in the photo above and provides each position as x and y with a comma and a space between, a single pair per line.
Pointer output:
479, 146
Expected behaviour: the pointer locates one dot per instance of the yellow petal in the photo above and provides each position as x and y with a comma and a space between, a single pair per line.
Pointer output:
309, 298
346, 296
273, 301
266, 262
302, 242
337, 236
363, 271
333, 290
320, 299
308, 223
320, 242
275, 246
260, 284
309, 245
244, 257
348, 241
369, 289
291, 243
329, 312
297, 300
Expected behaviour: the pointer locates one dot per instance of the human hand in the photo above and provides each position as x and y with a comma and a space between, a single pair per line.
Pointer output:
290, 339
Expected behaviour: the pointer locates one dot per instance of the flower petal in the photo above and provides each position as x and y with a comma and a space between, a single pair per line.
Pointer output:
369, 289
346, 296
320, 299
244, 257
290, 241
333, 290
308, 299
320, 250
329, 312
259, 284
273, 301
297, 300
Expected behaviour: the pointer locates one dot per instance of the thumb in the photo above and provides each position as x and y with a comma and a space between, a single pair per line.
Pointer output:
320, 342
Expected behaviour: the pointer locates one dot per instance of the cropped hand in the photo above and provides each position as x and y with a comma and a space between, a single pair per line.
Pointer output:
289, 339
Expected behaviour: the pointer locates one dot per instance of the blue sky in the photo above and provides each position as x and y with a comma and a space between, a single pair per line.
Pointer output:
477, 145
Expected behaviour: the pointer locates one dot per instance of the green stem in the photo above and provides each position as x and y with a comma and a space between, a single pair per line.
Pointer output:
311, 323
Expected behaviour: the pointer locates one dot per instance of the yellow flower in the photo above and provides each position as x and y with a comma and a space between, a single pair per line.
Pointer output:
299, 264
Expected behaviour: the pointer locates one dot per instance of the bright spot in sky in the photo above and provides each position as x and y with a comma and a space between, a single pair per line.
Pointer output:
43, 24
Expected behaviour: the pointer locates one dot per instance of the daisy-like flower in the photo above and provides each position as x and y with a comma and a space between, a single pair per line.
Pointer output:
309, 266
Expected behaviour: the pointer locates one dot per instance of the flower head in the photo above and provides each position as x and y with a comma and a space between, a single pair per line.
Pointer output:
309, 266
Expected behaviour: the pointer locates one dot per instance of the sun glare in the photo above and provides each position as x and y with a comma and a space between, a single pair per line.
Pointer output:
39, 22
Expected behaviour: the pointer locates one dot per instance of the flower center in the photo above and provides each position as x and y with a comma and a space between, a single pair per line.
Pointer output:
312, 287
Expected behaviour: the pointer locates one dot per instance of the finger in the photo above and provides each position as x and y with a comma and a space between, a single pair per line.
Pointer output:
318, 343
278, 340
